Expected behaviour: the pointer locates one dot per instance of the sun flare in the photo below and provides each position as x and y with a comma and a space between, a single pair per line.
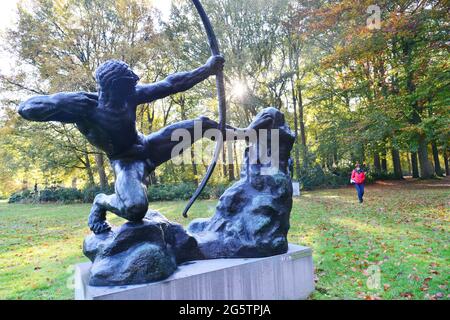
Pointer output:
238, 89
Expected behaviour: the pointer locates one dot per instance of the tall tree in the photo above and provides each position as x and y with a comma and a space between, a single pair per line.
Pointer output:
63, 42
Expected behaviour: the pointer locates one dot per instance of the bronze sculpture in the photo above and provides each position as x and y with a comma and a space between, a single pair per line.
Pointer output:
107, 120
252, 217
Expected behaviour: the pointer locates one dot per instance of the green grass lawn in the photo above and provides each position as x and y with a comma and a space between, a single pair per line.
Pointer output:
402, 230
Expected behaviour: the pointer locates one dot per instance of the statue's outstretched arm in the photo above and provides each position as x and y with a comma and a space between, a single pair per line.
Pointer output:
178, 82
67, 107
263, 122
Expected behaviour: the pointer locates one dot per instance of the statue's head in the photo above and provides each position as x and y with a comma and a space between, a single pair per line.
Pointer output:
115, 76
278, 122
275, 114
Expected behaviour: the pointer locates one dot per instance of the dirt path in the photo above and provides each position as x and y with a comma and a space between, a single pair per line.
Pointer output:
412, 184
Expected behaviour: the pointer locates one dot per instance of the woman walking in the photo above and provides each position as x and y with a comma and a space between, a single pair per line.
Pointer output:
358, 178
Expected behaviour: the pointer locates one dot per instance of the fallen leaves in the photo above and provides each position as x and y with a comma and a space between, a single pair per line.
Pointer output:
413, 277
407, 295
425, 285
434, 265
436, 296
368, 297
434, 272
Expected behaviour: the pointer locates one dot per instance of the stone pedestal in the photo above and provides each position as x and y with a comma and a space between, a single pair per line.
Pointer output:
283, 277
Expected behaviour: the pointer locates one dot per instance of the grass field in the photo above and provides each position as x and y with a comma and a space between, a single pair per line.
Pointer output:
400, 235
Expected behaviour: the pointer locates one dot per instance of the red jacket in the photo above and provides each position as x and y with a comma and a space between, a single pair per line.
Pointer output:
358, 177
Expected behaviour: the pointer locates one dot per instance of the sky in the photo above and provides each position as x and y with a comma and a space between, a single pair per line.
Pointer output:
164, 6
7, 13
7, 16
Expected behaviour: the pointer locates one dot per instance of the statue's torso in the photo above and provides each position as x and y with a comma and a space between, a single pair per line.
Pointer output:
111, 129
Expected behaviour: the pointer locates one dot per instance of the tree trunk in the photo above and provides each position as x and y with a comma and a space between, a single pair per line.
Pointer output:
414, 165
230, 161
302, 127
409, 163
231, 176
74, 183
153, 179
194, 165
362, 154
335, 158
238, 171
296, 149
447, 169
377, 163
224, 162
397, 164
426, 169
437, 164
89, 171
181, 101
100, 163
383, 161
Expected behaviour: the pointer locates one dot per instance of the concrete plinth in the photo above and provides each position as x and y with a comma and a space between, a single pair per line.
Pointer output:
283, 277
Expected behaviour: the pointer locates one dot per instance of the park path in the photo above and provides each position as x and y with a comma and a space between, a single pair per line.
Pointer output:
410, 183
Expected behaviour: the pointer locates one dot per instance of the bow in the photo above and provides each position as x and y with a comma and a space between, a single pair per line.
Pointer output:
214, 46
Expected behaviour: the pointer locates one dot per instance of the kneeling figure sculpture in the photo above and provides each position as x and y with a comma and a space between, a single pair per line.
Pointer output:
251, 219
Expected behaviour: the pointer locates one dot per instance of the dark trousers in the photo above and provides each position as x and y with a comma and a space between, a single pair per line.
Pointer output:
360, 190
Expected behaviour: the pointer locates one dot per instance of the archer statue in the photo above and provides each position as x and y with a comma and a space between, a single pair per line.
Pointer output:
108, 121
252, 216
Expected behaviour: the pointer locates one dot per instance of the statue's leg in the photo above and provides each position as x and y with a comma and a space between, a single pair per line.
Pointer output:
97, 217
130, 199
